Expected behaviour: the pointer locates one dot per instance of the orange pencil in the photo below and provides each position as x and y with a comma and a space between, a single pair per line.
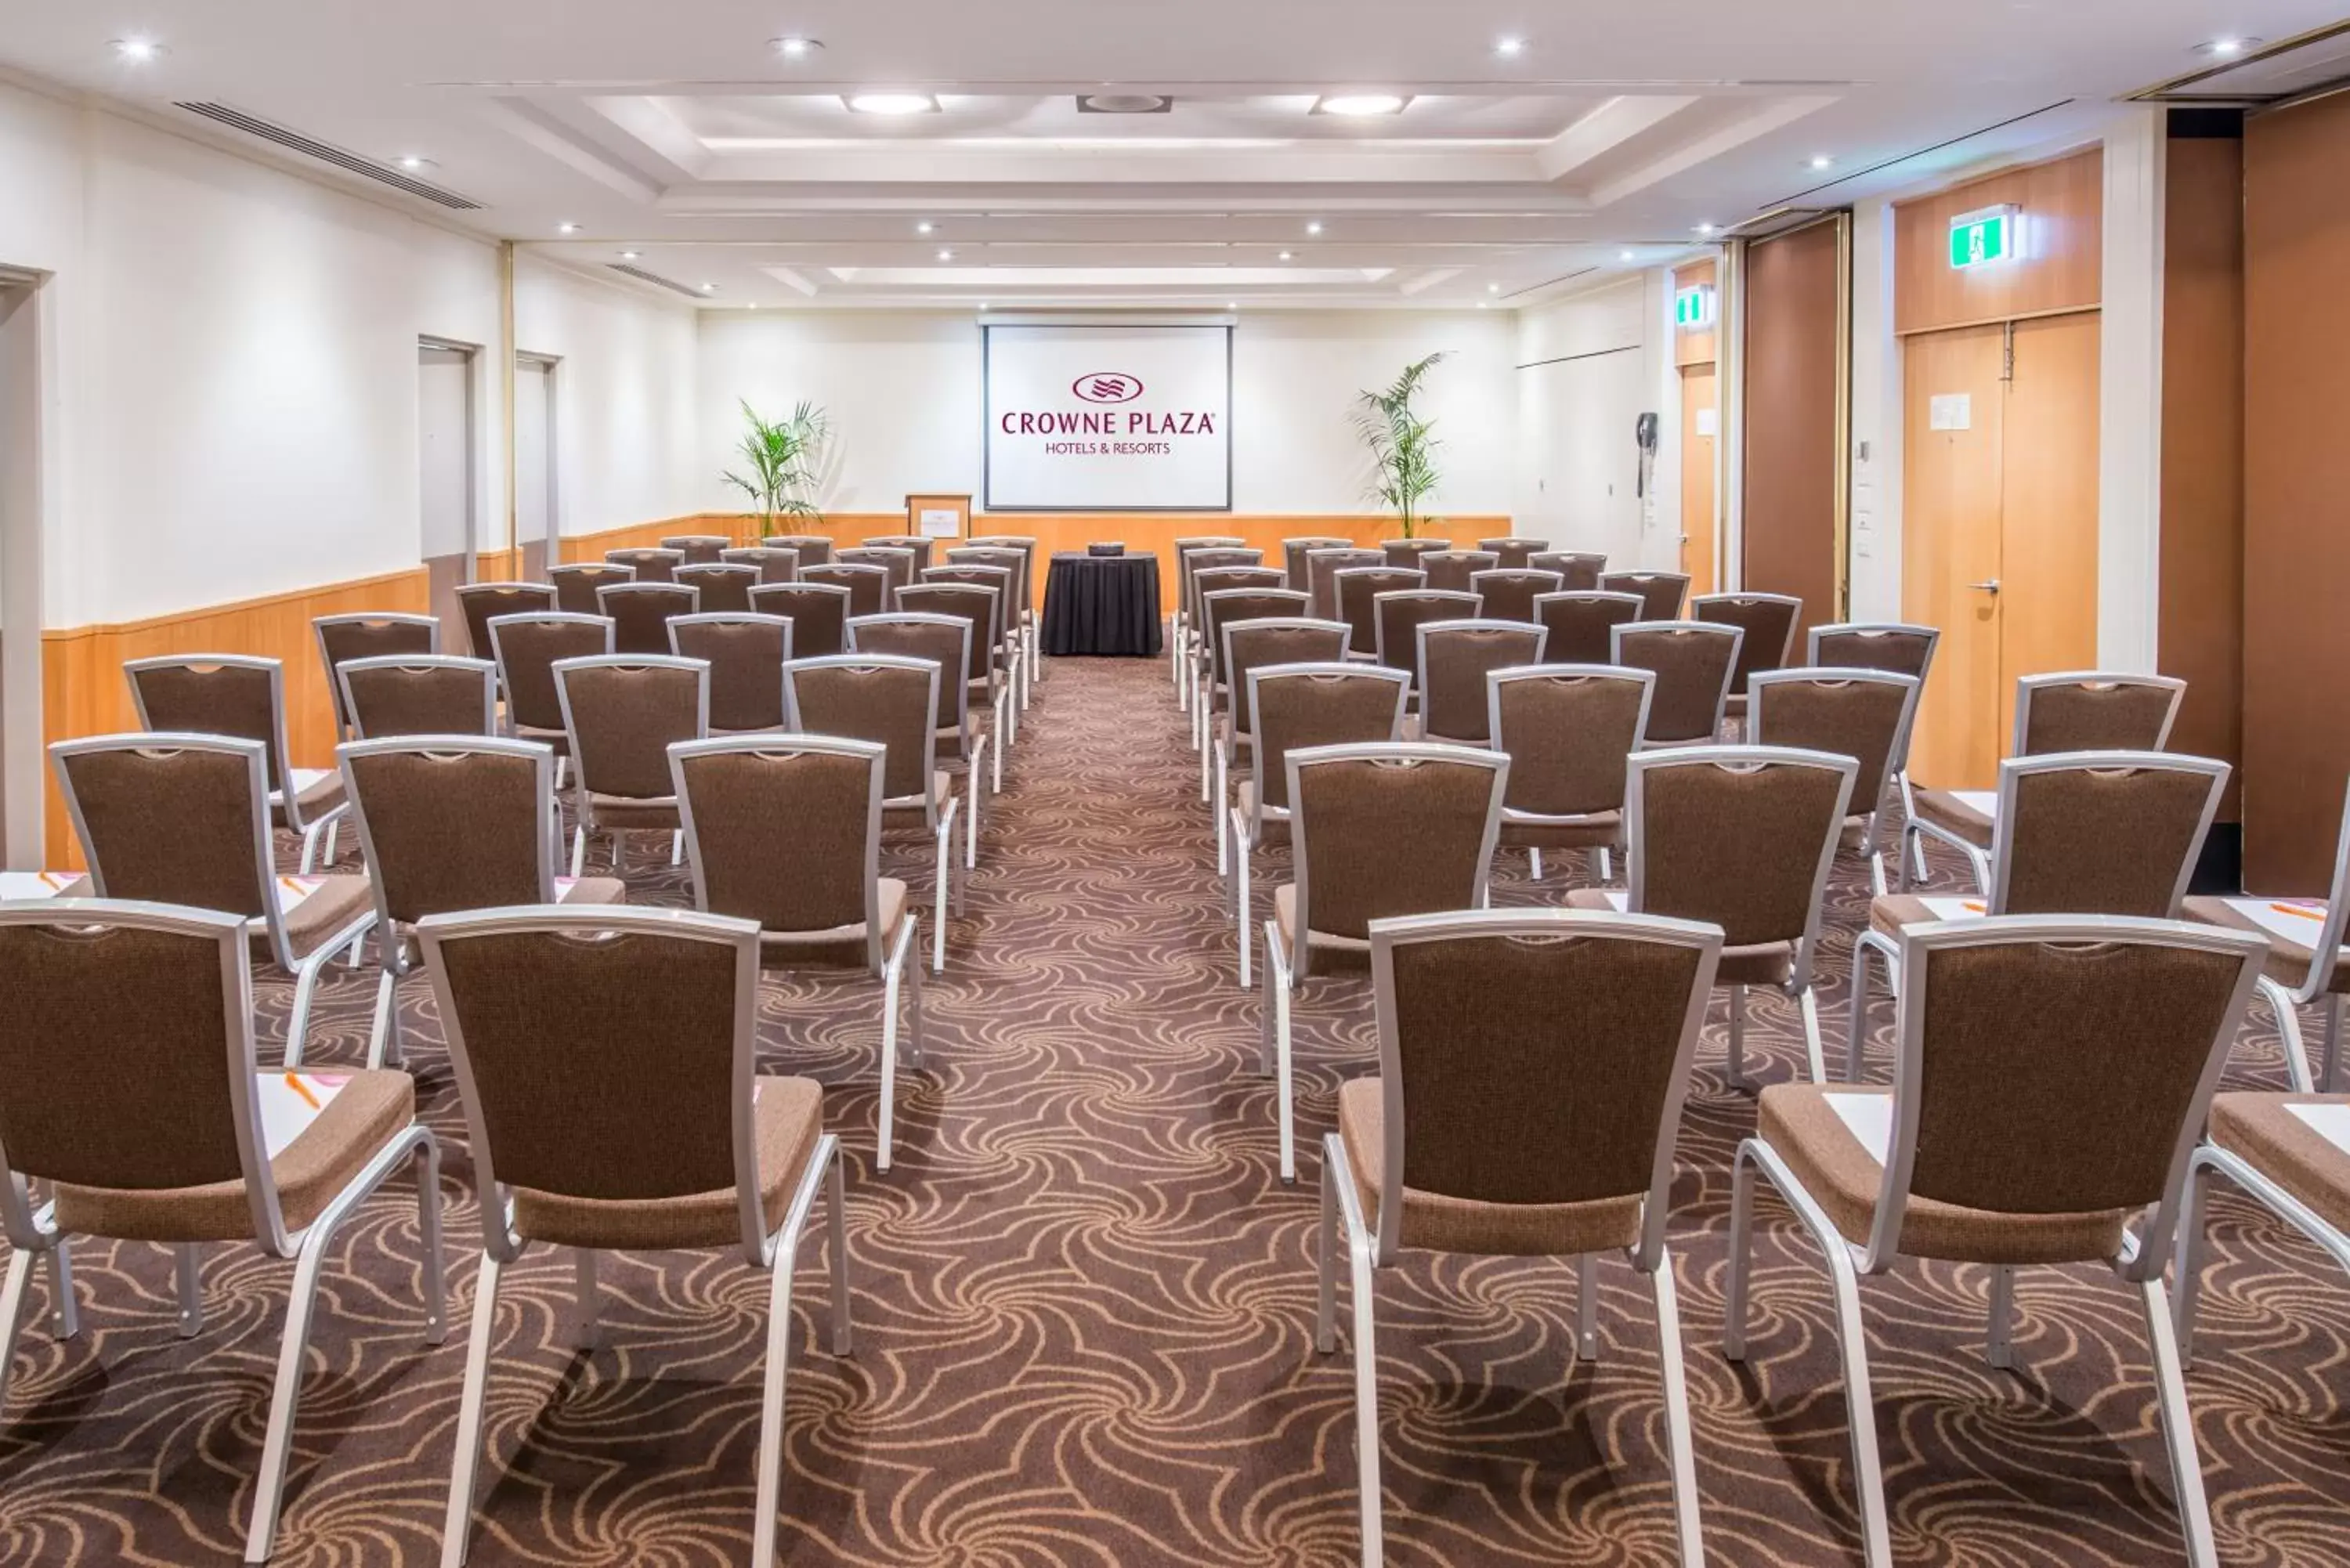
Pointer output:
294, 1082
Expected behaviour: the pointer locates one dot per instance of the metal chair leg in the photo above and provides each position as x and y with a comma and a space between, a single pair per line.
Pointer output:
1277, 978
1999, 1345
590, 1295
1680, 1445
1736, 1068
457, 1526
187, 1278
836, 1205
1587, 1308
1856, 1034
12, 1309
891, 979
64, 1305
2177, 1427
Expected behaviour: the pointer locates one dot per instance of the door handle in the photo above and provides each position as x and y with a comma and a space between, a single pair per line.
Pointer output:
1988, 585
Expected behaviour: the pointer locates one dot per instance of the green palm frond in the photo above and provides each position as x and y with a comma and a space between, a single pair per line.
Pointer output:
781, 460
1403, 446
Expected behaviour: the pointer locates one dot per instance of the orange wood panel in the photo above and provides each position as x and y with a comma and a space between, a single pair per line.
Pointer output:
1696, 347
1792, 453
2059, 268
1950, 538
1698, 520
2048, 503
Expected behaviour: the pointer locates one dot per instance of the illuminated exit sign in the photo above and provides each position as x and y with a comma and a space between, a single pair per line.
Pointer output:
1980, 238
1693, 307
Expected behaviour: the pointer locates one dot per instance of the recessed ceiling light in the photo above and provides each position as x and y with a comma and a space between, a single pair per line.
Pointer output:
891, 103
1705, 228
795, 48
630, 255
1232, 305
946, 256
1360, 105
1510, 49
709, 288
138, 51
924, 227
1821, 160
1482, 305
2226, 48
1124, 103
983, 305
1314, 228
1286, 257
414, 162
1492, 288
567, 228
1624, 255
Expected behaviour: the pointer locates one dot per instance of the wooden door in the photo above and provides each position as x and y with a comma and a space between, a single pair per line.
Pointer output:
2048, 498
1950, 541
1698, 417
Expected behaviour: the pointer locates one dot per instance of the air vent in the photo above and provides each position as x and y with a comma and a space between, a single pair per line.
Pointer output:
295, 141
641, 276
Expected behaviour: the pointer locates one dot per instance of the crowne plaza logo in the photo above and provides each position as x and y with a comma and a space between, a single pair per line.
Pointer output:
1107, 387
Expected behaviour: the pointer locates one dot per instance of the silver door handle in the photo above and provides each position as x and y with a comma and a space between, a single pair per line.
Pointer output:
1989, 586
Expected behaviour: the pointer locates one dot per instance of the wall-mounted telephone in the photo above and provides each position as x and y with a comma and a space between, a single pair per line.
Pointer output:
1644, 436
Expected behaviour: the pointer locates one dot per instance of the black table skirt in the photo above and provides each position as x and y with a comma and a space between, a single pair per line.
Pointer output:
1102, 604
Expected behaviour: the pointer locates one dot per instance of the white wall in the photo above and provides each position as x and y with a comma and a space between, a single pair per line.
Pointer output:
1876, 419
1588, 367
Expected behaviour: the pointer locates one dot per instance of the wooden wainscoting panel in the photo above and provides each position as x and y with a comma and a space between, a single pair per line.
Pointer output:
2060, 267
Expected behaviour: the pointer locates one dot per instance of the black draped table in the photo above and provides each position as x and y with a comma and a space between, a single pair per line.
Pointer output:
1102, 604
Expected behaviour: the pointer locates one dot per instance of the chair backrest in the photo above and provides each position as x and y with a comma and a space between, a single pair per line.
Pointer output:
484, 602
1355, 592
640, 613
452, 823
602, 1054
1396, 618
1603, 1011
1768, 622
887, 699
1897, 646
172, 818
1322, 569
1009, 559
1515, 553
650, 564
1295, 550
1451, 570
1582, 623
1454, 657
784, 830
575, 585
944, 640
2093, 710
2101, 833
348, 636
1297, 707
1737, 836
1190, 563
1660, 592
772, 563
812, 549
1389, 828
1692, 660
896, 560
722, 584
1251, 644
818, 613
422, 694
746, 654
1024, 591
980, 604
1863, 715
698, 549
623, 711
1578, 570
920, 545
2058, 1065
1223, 607
1408, 552
232, 694
528, 647
1568, 729
868, 586
1508, 593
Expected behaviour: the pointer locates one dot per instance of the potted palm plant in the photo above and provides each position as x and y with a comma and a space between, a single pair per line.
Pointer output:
781, 459
1402, 445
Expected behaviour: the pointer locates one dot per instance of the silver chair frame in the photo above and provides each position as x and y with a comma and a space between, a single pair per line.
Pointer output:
1871, 845
1863, 629
486, 669
1495, 680
328, 824
582, 800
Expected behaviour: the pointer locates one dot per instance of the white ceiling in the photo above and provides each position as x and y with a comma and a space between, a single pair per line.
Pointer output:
676, 131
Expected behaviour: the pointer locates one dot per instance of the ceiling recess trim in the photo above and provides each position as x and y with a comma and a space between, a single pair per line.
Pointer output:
325, 152
641, 276
2182, 88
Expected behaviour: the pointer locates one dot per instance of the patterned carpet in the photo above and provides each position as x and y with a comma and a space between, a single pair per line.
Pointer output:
1085, 1306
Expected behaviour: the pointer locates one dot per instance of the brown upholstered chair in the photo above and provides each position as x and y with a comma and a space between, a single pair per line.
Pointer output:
1449, 571
1768, 624
746, 654
608, 1061
989, 666
1295, 550
1569, 730
1582, 623
1397, 617
921, 545
812, 549
1660, 593
239, 695
818, 612
898, 562
1513, 554
418, 695
450, 823
772, 565
165, 818
867, 584
1201, 638
2077, 832
723, 585
1176, 621
1455, 656
1509, 594
1896, 646
640, 613
575, 585
2288, 1153
2075, 711
1376, 831
1863, 715
623, 711
786, 831
1507, 1036
1224, 599
1578, 570
348, 636
891, 701
1990, 1147
1355, 591
1322, 569
699, 549
130, 1089
1691, 661
650, 564
484, 602
1411, 552
528, 647
959, 745
1246, 645
1010, 648
1189, 564
1018, 554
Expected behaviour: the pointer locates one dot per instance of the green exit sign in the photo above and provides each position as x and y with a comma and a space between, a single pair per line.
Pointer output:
1981, 237
1693, 307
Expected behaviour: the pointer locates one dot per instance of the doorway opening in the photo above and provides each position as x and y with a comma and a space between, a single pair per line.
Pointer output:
537, 496
21, 776
448, 525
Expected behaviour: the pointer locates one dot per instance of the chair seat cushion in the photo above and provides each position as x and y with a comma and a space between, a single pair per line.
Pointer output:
941, 791
2288, 961
1889, 912
841, 946
559, 739
316, 796
788, 1117
2286, 1149
1599, 830
1446, 1224
339, 901
611, 811
1945, 810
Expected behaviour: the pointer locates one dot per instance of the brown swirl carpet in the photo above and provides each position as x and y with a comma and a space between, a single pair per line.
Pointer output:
1085, 1306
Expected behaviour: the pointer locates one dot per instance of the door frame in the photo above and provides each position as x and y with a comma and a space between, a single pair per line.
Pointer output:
27, 343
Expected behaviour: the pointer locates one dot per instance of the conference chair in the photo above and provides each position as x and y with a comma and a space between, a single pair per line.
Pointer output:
575, 585
1569, 731
1767, 622
1692, 662
867, 584
2075, 834
1200, 639
784, 830
1024, 595
623, 712
989, 667
1506, 1036
528, 647
893, 703
1509, 593
1514, 553
698, 549
418, 695
1579, 569
1581, 624
723, 585
1991, 1148
1451, 570
1397, 617
243, 696
746, 654
1743, 838
181, 818
450, 823
1454, 658
1221, 605
1322, 569
958, 744
1410, 552
650, 564
1297, 707
348, 636
812, 549
1189, 566
1355, 591
1660, 593
1377, 831
773, 565
894, 560
668, 1134
1249, 645
484, 602
818, 612
1295, 550
134, 1099
920, 545
2289, 1153
1176, 624
1863, 715
2075, 711
1002, 577
1897, 646
640, 613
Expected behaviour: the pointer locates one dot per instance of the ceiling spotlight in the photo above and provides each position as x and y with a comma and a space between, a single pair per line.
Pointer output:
1821, 160
2226, 48
630, 255
413, 163
946, 256
1624, 255
567, 228
709, 288
1232, 305
891, 103
1314, 228
1482, 305
1288, 257
1510, 49
1705, 228
983, 305
924, 227
1360, 105
1492, 288
795, 48
1124, 103
137, 51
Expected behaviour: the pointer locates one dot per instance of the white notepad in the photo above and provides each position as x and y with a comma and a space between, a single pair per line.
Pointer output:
1983, 800
1944, 908
1618, 899
2297, 920
1869, 1118
290, 1102
2330, 1121
36, 884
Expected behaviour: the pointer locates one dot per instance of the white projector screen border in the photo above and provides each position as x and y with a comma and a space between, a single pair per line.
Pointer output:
989, 433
